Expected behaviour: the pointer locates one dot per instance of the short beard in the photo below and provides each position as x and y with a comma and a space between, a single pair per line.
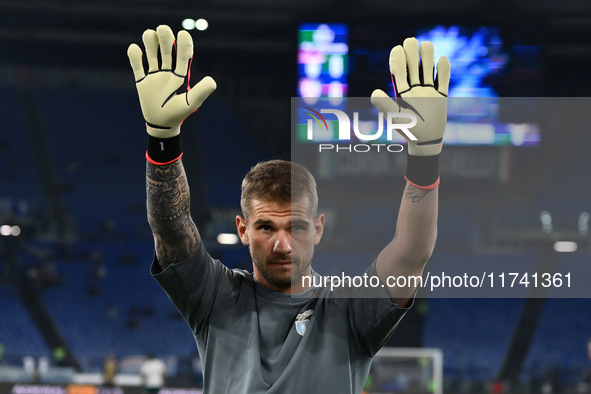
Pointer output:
281, 283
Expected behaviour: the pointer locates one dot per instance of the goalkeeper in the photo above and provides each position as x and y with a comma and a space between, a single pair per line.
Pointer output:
252, 335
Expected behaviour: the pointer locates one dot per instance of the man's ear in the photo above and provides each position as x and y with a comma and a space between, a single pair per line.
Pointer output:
319, 228
241, 227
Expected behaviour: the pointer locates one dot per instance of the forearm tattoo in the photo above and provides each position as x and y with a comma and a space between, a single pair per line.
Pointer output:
169, 216
414, 194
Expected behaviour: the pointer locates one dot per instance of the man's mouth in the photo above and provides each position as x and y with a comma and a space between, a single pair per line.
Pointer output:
280, 262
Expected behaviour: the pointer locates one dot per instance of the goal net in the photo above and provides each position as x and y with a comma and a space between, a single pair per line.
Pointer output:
406, 370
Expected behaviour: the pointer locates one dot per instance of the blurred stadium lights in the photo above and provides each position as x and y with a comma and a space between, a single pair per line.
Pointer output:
7, 230
583, 223
188, 24
565, 246
199, 24
227, 239
546, 220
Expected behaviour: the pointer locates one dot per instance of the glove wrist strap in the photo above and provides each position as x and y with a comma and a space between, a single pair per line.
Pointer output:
163, 151
423, 171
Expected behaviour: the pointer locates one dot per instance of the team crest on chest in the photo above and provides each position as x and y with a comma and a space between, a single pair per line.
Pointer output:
302, 320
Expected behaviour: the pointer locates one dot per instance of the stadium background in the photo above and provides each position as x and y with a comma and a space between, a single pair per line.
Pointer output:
72, 178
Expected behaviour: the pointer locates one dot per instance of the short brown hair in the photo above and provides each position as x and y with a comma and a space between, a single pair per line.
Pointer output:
278, 180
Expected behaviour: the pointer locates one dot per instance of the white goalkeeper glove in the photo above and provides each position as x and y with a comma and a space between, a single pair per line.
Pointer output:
418, 93
413, 81
166, 96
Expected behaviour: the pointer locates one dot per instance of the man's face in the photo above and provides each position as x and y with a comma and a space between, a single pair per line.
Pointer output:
281, 239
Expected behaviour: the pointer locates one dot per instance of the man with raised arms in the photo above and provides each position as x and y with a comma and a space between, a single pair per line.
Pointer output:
252, 333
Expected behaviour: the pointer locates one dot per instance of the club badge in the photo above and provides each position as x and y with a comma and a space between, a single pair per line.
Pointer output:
302, 320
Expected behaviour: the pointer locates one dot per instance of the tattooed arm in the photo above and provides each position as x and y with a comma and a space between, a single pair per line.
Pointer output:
166, 99
420, 93
413, 243
175, 235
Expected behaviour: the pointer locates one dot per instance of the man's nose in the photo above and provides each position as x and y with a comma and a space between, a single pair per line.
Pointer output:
282, 242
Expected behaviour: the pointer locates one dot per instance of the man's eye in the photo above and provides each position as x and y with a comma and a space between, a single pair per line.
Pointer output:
266, 227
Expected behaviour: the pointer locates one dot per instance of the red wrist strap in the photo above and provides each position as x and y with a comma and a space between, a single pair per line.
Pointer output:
161, 164
429, 187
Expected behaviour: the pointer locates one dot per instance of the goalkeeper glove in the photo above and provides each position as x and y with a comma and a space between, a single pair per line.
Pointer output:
418, 93
166, 97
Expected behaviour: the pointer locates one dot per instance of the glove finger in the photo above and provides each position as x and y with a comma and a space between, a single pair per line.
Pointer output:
443, 75
150, 39
411, 52
427, 60
166, 41
200, 92
383, 102
134, 53
398, 69
184, 52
